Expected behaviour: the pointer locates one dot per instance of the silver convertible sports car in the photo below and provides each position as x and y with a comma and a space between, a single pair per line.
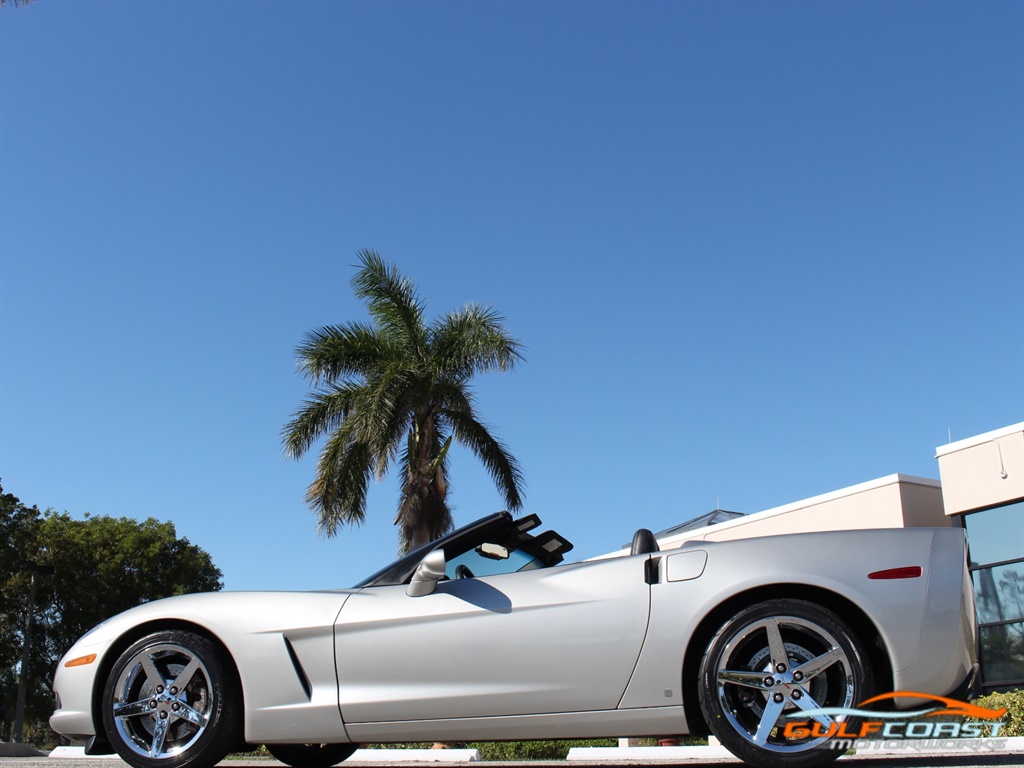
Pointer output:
485, 635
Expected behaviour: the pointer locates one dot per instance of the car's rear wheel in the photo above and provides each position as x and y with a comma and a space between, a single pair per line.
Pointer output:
171, 701
773, 660
311, 755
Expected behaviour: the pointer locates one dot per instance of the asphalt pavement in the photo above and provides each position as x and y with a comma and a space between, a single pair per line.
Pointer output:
855, 761
1004, 752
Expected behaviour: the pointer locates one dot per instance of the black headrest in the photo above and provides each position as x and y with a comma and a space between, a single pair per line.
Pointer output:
643, 543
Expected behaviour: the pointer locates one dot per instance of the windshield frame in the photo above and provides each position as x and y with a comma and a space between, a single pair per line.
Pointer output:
454, 544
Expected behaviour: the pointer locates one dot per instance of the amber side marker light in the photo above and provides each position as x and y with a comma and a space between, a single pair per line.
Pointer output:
906, 572
81, 661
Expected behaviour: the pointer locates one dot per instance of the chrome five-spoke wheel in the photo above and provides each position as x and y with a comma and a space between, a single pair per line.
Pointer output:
769, 664
166, 702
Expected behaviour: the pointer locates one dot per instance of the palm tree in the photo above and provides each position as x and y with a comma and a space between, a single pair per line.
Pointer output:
398, 388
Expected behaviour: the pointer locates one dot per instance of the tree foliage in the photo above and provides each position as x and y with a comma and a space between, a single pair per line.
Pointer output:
18, 534
102, 566
399, 389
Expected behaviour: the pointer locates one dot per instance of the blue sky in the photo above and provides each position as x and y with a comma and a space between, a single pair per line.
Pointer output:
755, 251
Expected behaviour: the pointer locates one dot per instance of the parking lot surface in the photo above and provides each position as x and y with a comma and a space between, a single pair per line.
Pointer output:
888, 761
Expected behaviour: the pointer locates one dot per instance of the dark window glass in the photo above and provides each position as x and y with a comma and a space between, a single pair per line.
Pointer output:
478, 565
999, 592
1002, 653
996, 535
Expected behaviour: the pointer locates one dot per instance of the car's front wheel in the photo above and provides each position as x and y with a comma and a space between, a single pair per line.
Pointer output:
171, 701
769, 664
311, 755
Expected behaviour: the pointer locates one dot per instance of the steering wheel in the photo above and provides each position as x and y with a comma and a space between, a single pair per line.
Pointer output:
462, 572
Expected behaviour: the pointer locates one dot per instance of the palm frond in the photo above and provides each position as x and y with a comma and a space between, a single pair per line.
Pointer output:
473, 340
338, 494
324, 412
391, 300
492, 453
381, 414
334, 351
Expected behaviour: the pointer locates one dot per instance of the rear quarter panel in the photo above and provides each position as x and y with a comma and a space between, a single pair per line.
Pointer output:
922, 622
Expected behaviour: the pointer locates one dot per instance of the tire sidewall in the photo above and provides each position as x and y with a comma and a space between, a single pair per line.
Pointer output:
310, 755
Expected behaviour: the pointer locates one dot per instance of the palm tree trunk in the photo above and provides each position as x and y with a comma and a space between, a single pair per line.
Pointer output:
427, 482
419, 538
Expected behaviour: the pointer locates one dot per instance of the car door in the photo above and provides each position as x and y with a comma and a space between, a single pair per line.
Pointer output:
561, 639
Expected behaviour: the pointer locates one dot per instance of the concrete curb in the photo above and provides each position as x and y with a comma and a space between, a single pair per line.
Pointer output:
78, 753
648, 754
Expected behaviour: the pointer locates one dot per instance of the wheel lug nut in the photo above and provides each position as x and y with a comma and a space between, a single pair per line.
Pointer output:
797, 694
780, 667
175, 706
798, 676
174, 691
163, 715
779, 698
159, 689
769, 682
152, 703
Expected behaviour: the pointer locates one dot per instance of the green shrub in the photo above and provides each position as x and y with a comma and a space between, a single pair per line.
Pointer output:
1014, 717
533, 750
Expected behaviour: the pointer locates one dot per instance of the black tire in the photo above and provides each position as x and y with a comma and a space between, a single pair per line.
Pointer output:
311, 755
172, 700
777, 658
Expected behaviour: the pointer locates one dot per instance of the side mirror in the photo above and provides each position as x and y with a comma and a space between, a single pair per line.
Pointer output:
427, 574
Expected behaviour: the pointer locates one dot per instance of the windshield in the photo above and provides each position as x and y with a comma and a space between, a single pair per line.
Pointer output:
478, 565
494, 544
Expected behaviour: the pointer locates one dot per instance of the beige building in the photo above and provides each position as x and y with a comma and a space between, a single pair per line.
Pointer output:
981, 488
896, 501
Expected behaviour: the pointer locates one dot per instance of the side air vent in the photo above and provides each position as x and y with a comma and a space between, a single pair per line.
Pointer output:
299, 671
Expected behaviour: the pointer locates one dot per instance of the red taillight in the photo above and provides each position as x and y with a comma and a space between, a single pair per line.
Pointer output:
906, 572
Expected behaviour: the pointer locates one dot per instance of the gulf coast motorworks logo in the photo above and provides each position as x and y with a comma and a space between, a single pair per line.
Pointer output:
947, 724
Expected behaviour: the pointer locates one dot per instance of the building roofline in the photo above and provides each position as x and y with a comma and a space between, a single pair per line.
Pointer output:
669, 542
852, 490
970, 442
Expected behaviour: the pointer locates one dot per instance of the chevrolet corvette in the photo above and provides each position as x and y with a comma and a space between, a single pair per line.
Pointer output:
487, 634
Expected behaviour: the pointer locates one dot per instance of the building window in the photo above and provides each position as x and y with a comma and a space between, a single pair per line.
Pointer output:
996, 546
